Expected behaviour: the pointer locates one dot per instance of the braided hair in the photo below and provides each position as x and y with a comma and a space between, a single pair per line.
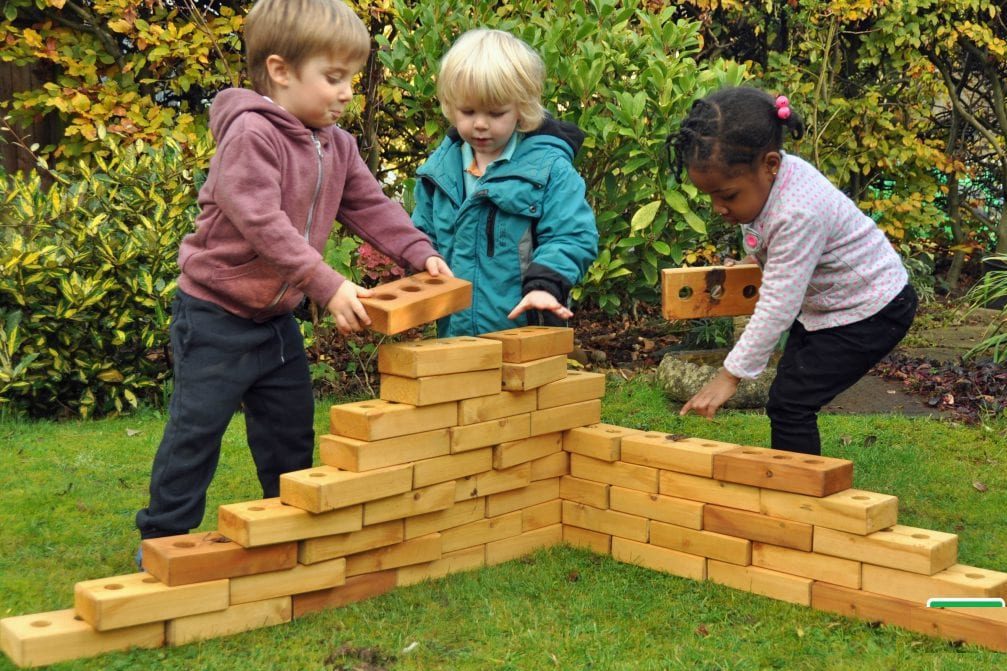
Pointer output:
733, 126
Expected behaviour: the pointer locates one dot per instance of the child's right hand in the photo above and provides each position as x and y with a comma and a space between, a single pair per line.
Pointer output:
747, 261
347, 309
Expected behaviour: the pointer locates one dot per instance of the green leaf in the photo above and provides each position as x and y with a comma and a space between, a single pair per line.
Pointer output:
695, 223
644, 216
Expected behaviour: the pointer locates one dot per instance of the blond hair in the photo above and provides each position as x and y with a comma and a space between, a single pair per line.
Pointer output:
492, 68
297, 30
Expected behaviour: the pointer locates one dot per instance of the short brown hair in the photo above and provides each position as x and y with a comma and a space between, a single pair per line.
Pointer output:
297, 30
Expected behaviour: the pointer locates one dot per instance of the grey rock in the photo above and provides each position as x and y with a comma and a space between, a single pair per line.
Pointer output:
681, 379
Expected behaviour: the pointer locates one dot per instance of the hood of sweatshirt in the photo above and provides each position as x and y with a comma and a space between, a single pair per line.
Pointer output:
230, 104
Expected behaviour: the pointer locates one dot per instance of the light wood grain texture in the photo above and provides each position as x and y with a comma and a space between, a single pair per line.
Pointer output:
415, 300
209, 555
784, 471
709, 291
527, 343
421, 358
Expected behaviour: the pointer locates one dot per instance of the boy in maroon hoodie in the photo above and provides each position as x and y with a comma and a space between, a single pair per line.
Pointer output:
282, 174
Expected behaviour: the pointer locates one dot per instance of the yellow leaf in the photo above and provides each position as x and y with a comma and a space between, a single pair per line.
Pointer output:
111, 376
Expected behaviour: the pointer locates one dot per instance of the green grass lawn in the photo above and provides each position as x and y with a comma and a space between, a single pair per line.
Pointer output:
70, 490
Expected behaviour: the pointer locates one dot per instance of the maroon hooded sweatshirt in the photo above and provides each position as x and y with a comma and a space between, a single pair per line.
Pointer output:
274, 189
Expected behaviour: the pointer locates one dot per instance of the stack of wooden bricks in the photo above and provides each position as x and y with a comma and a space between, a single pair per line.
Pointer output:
481, 450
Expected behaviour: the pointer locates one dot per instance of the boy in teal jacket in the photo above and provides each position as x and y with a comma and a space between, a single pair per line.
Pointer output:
500, 197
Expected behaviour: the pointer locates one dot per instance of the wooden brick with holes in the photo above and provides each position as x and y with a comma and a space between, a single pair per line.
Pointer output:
630, 476
853, 510
774, 584
907, 548
542, 515
516, 452
301, 578
555, 465
681, 512
709, 291
504, 404
350, 454
324, 488
835, 570
587, 539
481, 532
862, 605
62, 635
784, 471
598, 441
983, 626
532, 374
467, 559
610, 522
589, 492
671, 452
757, 527
439, 389
416, 551
139, 598
493, 482
233, 620
356, 588
415, 300
658, 558
316, 550
525, 543
703, 543
576, 387
516, 499
209, 555
269, 521
452, 467
956, 580
462, 512
564, 417
492, 432
377, 419
708, 490
416, 502
528, 343
422, 358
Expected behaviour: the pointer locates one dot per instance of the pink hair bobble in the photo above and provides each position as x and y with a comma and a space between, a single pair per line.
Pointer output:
782, 108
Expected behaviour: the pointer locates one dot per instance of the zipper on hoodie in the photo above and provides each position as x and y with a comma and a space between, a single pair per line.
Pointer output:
491, 222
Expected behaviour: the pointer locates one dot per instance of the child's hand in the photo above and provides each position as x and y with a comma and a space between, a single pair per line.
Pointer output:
747, 261
716, 393
540, 300
435, 265
347, 309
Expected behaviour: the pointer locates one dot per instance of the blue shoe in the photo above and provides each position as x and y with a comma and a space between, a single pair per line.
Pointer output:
139, 558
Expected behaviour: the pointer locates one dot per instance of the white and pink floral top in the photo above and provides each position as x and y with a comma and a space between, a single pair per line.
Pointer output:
824, 262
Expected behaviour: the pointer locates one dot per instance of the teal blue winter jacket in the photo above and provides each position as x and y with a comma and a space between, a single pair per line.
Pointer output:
525, 226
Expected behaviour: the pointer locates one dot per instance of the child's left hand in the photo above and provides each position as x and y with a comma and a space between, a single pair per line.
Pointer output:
540, 300
714, 394
435, 265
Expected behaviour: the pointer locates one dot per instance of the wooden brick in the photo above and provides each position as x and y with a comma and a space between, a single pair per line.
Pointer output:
301, 578
588, 492
542, 515
527, 343
658, 558
269, 521
555, 465
516, 452
757, 527
564, 417
861, 605
681, 512
608, 522
452, 467
467, 559
695, 488
233, 620
493, 482
350, 454
709, 291
775, 585
493, 432
139, 598
784, 471
982, 626
439, 389
587, 539
415, 300
208, 555
598, 441
533, 374
907, 548
460, 513
376, 419
671, 452
516, 499
356, 588
630, 476
443, 356
523, 544
853, 510
576, 387
416, 551
61, 635
812, 565
324, 488
481, 532
416, 502
956, 580
503, 404
316, 550
704, 543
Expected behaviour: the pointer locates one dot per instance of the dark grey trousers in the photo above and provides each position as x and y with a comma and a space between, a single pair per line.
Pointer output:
223, 362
